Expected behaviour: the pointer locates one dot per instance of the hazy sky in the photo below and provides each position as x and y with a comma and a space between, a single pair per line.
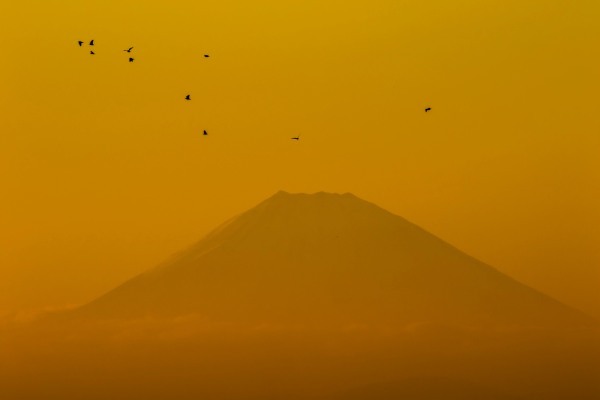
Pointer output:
104, 172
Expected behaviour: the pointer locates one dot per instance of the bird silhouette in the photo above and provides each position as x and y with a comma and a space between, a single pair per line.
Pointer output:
128, 50
80, 43
206, 56
428, 109
92, 42
130, 59
296, 137
204, 132
187, 97
91, 52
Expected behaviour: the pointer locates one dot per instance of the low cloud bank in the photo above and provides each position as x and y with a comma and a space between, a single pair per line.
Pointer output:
192, 357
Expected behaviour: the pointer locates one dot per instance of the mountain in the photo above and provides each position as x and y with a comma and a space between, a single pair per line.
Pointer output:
328, 259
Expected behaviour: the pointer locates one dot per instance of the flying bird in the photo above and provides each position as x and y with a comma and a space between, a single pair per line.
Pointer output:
296, 137
80, 43
206, 56
187, 97
92, 42
204, 132
130, 59
428, 109
91, 52
128, 50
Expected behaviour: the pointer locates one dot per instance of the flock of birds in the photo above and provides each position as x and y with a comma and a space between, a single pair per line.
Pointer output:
131, 59
187, 97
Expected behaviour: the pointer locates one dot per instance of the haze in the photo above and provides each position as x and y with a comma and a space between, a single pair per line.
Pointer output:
104, 172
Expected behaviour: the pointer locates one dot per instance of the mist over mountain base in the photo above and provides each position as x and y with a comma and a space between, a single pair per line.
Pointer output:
190, 358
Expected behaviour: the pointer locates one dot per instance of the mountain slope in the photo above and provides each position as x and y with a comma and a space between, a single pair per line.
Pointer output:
328, 258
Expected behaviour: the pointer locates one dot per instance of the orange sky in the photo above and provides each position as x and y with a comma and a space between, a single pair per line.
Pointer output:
104, 172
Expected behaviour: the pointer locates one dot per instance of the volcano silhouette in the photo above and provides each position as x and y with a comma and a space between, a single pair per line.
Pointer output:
328, 259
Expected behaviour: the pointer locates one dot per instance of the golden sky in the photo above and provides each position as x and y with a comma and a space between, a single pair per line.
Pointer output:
104, 172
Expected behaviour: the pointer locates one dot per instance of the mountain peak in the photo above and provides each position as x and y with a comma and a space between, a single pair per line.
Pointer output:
316, 195
318, 202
